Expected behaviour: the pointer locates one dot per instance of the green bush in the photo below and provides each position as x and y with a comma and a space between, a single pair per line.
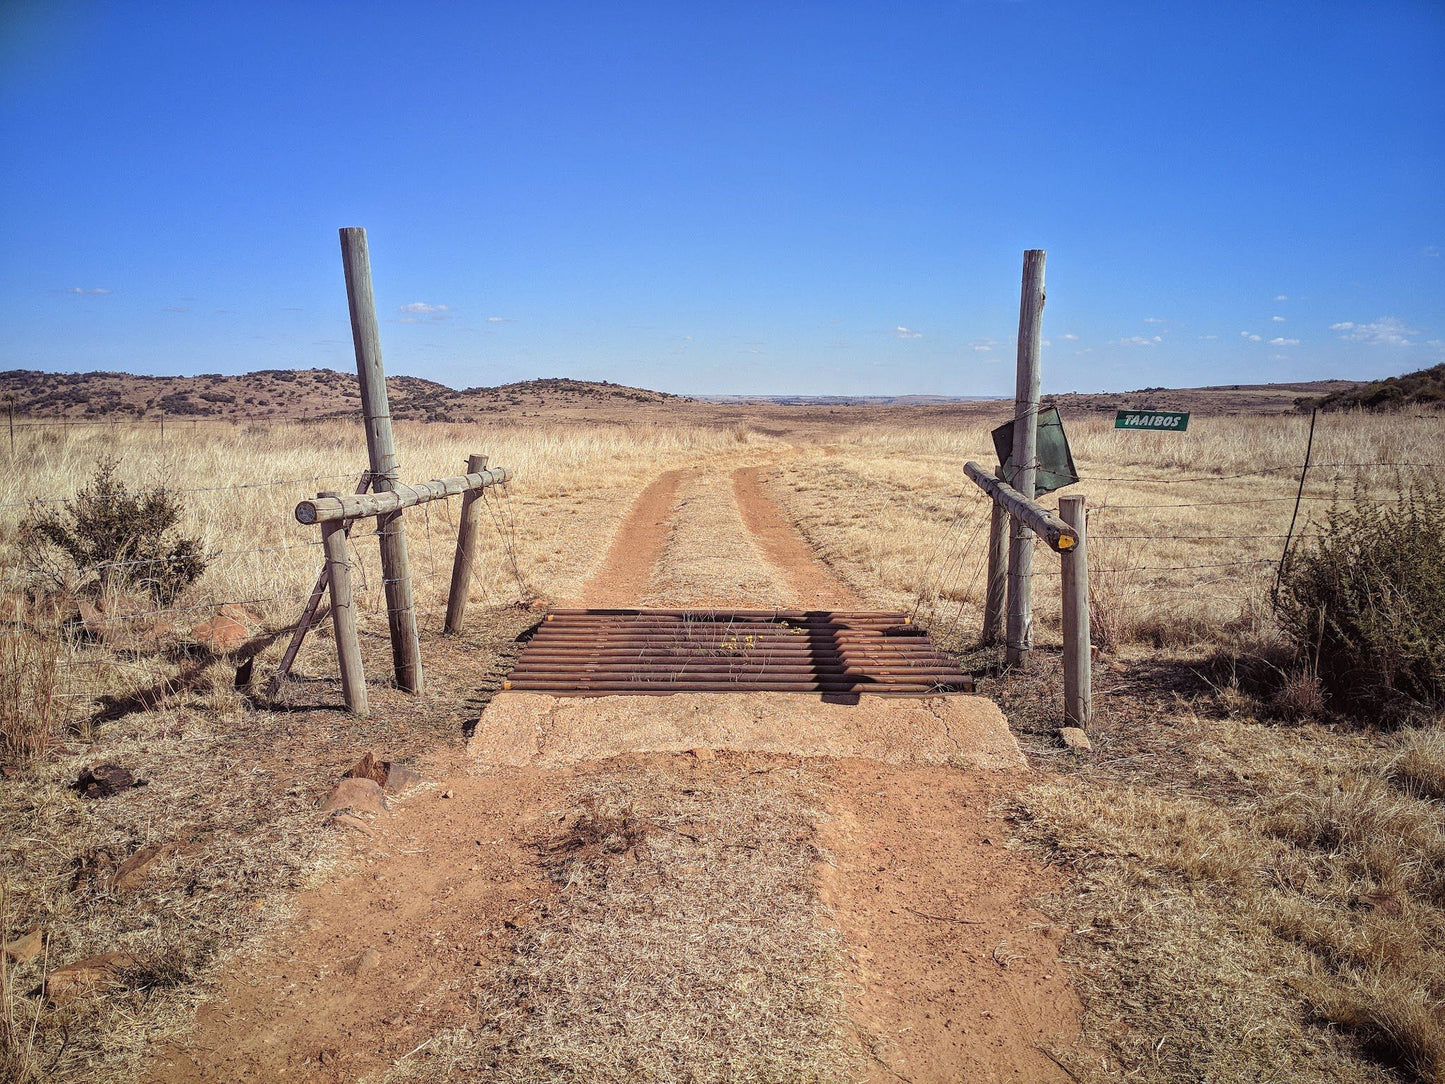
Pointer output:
118, 538
1364, 601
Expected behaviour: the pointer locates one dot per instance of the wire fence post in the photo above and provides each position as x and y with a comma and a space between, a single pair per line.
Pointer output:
1078, 646
1025, 453
465, 559
343, 613
997, 589
395, 568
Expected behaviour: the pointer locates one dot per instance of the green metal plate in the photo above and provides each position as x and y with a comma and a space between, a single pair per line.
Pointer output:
1055, 462
1169, 421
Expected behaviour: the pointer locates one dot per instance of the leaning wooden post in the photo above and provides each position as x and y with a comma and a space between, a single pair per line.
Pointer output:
1025, 456
466, 554
993, 603
395, 571
343, 613
1078, 694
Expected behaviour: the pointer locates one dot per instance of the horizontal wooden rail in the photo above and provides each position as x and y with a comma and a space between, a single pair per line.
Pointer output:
1058, 534
326, 509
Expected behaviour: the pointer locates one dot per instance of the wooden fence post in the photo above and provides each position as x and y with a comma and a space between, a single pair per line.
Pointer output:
993, 603
466, 554
343, 613
1078, 647
395, 570
1025, 456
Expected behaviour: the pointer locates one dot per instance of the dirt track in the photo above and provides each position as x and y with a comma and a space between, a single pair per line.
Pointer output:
949, 974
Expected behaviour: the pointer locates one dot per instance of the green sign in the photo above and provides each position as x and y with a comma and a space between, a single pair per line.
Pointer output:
1175, 421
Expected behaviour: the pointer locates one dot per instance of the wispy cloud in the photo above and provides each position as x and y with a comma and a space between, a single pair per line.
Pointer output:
1283, 342
901, 332
178, 308
1251, 336
982, 346
1281, 297
90, 290
1070, 337
1209, 338
1139, 340
1153, 319
1386, 331
499, 319
1277, 319
421, 308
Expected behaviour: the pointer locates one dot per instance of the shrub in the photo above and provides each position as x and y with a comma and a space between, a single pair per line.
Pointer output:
1364, 601
122, 538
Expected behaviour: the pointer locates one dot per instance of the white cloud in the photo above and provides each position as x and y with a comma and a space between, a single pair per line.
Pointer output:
421, 308
1283, 342
1070, 338
1277, 319
981, 346
1281, 297
1139, 340
87, 290
1251, 336
902, 332
1153, 319
499, 319
1209, 338
1386, 331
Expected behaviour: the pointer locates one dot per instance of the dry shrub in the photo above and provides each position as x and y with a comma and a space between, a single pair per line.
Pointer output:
1364, 600
31, 708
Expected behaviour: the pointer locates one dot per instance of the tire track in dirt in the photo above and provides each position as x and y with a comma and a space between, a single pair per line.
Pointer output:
814, 585
636, 547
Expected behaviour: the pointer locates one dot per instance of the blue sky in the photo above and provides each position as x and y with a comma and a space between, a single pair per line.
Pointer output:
773, 198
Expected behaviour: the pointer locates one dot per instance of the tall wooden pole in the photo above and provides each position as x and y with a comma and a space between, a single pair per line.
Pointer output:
395, 571
1078, 692
1025, 456
343, 615
993, 602
466, 555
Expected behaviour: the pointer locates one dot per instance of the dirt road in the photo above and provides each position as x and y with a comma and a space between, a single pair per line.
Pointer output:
633, 915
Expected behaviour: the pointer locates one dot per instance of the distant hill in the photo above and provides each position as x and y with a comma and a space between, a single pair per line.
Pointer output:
1423, 387
288, 393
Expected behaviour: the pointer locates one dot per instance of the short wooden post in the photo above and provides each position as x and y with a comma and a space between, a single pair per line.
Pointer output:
465, 559
1078, 693
993, 603
343, 613
395, 569
1025, 456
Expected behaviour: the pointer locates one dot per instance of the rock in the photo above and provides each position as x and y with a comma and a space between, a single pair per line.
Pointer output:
237, 612
388, 774
25, 947
357, 795
135, 870
92, 619
103, 780
446, 794
366, 961
92, 975
220, 634
703, 754
1076, 739
352, 823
